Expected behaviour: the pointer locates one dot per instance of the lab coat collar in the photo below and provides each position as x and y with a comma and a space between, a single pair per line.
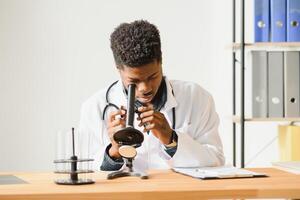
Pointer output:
120, 93
170, 103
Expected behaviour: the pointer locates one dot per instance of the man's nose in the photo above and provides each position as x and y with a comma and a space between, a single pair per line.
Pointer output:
143, 87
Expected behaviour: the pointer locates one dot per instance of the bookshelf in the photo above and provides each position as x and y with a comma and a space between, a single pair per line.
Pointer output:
268, 46
236, 119
240, 48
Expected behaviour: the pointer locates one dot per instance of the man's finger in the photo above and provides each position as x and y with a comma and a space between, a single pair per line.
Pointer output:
117, 122
117, 128
145, 108
147, 114
113, 114
147, 119
148, 127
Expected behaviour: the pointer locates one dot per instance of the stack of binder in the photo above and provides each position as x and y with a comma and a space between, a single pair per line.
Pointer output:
275, 84
277, 20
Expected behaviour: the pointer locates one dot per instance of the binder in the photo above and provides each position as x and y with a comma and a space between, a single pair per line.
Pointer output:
278, 20
291, 84
275, 83
288, 141
293, 20
261, 20
10, 179
222, 172
259, 84
289, 166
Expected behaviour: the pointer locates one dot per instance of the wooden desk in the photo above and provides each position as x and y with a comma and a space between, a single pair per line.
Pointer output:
161, 185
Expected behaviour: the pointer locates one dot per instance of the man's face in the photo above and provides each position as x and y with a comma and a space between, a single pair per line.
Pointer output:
147, 79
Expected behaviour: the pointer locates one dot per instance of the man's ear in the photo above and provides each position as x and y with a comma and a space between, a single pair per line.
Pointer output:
159, 61
119, 66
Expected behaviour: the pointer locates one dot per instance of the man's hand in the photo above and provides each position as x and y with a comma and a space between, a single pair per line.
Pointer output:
156, 122
116, 121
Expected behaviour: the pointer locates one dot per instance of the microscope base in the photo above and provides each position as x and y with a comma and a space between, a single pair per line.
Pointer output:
124, 173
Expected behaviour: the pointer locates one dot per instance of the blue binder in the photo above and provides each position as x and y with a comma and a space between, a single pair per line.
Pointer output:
278, 20
261, 20
293, 20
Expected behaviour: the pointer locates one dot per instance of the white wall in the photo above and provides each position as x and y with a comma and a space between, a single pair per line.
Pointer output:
55, 53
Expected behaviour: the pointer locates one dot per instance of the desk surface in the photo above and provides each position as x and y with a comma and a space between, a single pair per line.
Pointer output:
160, 185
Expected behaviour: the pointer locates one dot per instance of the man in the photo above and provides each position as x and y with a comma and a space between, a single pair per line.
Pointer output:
178, 119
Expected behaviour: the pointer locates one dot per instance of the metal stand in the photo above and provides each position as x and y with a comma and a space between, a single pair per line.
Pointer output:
242, 81
242, 84
73, 180
73, 172
234, 83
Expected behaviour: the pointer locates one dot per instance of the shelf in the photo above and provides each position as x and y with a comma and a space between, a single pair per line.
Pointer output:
236, 119
269, 46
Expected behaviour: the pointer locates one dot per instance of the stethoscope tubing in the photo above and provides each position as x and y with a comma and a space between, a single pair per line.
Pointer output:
109, 104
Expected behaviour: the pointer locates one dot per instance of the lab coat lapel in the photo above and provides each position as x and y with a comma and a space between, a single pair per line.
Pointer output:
171, 101
118, 95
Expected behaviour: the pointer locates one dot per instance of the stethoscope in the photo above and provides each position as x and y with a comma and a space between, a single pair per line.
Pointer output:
109, 104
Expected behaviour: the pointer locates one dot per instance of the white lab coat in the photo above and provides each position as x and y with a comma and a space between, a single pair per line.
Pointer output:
197, 124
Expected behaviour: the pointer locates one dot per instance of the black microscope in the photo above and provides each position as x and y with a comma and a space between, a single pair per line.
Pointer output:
128, 139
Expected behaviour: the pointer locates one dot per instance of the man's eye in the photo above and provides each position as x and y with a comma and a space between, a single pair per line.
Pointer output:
153, 77
133, 82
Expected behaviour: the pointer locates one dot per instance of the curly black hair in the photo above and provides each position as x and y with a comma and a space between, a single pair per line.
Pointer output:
135, 44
